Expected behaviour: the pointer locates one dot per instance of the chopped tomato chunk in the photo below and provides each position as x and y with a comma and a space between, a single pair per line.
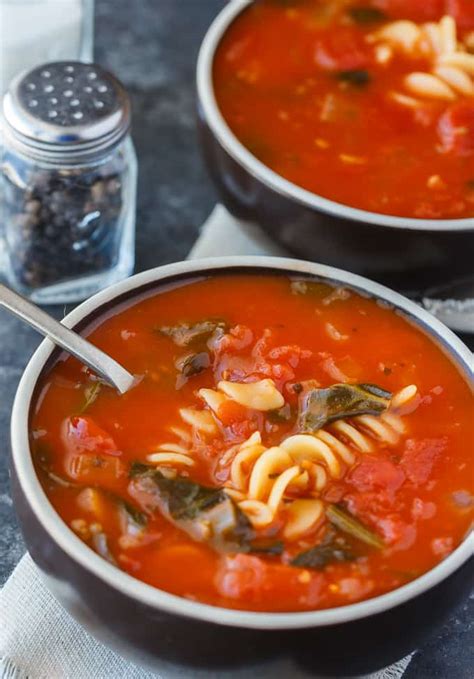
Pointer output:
376, 474
456, 129
230, 412
92, 455
397, 532
83, 435
344, 51
369, 507
419, 457
249, 578
96, 470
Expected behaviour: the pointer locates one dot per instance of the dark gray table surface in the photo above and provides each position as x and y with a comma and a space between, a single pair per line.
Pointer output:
152, 46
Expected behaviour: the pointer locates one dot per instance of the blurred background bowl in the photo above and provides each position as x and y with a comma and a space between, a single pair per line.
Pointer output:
412, 255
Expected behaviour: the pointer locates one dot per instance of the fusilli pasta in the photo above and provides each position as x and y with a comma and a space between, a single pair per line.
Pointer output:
291, 476
451, 67
262, 480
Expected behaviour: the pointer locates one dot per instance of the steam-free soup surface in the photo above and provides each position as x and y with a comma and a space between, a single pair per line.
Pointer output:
367, 102
290, 445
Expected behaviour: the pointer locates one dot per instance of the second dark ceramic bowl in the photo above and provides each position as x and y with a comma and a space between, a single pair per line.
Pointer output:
412, 255
156, 628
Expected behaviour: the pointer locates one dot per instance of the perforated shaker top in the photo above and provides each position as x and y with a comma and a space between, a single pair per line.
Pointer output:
67, 107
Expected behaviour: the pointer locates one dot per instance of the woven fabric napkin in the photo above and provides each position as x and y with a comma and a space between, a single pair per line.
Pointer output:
39, 640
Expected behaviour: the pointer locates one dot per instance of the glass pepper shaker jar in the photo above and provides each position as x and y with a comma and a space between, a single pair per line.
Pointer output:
69, 177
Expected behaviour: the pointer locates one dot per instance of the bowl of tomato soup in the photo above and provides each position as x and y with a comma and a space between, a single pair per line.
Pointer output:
346, 130
291, 474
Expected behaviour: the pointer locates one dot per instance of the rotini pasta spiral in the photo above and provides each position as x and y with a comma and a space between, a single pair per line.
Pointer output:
290, 476
180, 454
262, 395
262, 479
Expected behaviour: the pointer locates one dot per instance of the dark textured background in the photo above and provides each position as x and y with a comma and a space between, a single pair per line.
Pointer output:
152, 46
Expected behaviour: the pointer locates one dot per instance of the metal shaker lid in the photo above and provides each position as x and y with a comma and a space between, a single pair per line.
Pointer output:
66, 112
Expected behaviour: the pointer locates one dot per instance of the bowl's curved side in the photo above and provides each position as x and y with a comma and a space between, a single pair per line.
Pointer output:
219, 127
159, 639
411, 260
164, 602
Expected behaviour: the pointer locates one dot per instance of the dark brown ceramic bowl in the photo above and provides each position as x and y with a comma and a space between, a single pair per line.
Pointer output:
412, 255
156, 628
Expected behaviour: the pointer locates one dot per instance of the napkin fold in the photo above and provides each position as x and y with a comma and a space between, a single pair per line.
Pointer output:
40, 640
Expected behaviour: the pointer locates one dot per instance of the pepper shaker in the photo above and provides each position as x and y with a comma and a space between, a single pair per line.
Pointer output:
69, 177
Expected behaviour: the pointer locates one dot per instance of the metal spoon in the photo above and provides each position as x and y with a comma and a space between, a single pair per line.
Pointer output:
102, 364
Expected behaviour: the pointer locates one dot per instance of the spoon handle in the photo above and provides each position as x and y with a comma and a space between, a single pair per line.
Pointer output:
102, 364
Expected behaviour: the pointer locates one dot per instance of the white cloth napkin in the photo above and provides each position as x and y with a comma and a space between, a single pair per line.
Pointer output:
39, 640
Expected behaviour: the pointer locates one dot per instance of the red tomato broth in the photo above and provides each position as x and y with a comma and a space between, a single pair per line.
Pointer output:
282, 99
404, 493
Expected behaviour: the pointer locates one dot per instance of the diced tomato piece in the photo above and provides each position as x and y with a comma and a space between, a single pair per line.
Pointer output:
92, 455
342, 51
377, 474
239, 337
419, 457
250, 579
442, 546
370, 507
334, 493
243, 429
456, 128
82, 435
230, 412
397, 532
463, 12
289, 352
355, 588
422, 509
96, 470
239, 421
416, 10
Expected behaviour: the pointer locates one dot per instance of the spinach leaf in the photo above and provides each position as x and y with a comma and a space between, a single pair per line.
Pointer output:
366, 15
283, 414
134, 514
357, 77
193, 364
340, 518
333, 549
267, 548
185, 334
139, 469
319, 407
205, 514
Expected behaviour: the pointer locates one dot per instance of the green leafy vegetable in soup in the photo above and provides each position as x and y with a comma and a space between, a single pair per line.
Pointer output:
185, 334
358, 77
332, 549
322, 406
366, 15
206, 514
352, 526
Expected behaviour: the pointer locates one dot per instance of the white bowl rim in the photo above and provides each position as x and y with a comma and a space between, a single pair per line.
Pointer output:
268, 177
149, 595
